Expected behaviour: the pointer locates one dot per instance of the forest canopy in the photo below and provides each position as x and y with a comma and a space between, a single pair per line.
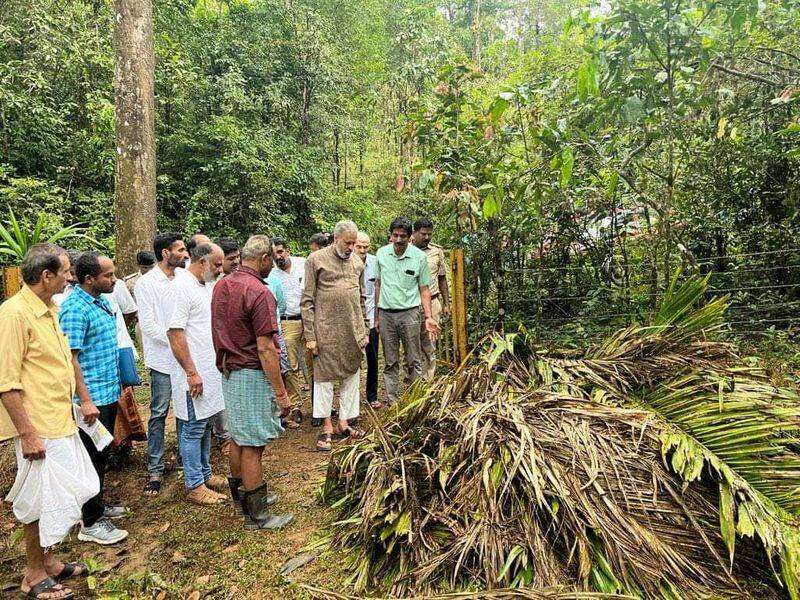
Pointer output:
584, 148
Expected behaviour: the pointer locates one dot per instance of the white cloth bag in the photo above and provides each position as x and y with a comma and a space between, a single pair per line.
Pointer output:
54, 489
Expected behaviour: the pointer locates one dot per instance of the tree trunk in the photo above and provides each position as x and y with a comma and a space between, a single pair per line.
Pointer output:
135, 181
476, 34
337, 169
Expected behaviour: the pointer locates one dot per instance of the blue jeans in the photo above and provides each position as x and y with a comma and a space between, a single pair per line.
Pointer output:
195, 446
160, 396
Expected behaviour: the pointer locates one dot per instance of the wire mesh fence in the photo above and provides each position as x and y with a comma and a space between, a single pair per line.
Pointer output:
588, 300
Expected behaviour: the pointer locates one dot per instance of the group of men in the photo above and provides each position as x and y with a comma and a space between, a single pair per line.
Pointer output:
227, 335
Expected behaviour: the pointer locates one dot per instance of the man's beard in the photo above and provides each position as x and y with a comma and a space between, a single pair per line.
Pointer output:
208, 276
281, 262
344, 254
176, 262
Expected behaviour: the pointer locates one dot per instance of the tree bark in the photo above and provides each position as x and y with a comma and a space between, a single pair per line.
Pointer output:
135, 180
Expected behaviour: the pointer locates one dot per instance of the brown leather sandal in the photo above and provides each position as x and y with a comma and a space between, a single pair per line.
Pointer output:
324, 442
203, 496
218, 483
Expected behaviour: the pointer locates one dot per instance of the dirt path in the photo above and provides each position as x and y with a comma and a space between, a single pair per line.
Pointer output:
179, 548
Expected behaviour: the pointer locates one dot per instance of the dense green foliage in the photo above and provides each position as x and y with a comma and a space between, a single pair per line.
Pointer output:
266, 114
579, 153
582, 167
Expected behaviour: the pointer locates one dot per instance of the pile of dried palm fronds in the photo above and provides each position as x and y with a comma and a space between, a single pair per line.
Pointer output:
637, 468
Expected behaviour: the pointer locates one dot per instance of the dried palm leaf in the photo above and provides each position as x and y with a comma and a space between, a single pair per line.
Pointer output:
607, 472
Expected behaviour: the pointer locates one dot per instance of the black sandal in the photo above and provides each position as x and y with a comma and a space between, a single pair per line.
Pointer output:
69, 571
152, 488
48, 585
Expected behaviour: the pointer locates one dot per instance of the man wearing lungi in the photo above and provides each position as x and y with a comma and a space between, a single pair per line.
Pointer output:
55, 476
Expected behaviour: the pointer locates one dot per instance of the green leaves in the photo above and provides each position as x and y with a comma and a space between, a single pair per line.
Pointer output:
727, 521
586, 79
567, 163
15, 240
633, 110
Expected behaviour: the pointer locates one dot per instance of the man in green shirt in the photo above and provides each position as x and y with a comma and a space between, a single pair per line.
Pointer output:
402, 277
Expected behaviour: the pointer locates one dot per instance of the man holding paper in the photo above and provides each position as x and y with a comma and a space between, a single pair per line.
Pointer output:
196, 383
90, 325
54, 473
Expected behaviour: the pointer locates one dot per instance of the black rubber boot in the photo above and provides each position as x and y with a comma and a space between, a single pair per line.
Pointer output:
233, 484
256, 513
236, 493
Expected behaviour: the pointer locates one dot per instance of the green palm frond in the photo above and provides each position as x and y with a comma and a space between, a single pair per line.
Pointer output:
15, 240
9, 243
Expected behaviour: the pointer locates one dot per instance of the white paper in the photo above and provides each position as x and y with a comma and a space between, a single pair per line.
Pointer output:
97, 432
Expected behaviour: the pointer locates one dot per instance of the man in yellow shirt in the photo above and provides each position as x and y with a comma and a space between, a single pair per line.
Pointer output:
37, 382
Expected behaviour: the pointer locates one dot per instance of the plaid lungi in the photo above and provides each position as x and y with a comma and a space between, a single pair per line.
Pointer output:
253, 414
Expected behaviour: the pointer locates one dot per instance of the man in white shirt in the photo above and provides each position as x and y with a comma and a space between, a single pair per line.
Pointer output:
290, 271
156, 303
362, 248
196, 382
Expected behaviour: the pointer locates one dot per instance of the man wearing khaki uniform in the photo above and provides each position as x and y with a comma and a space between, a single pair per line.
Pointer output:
440, 294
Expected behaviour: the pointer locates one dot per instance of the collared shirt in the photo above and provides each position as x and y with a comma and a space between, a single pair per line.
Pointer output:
242, 309
436, 265
292, 282
369, 288
156, 303
36, 361
91, 328
121, 303
58, 299
401, 276
193, 315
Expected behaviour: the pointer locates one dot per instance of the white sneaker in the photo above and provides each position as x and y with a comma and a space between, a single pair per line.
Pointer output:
103, 532
115, 512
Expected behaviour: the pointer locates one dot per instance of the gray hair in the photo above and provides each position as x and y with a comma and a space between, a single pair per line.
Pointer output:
256, 246
363, 234
200, 251
38, 259
343, 226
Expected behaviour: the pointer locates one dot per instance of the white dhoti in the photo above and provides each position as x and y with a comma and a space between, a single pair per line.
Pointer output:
348, 398
53, 490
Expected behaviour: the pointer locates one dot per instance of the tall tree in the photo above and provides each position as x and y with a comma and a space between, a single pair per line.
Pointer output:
135, 184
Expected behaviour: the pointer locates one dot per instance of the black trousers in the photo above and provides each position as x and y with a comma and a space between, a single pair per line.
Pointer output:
372, 366
94, 507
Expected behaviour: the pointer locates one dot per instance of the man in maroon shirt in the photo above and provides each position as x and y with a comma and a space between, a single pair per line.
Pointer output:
244, 325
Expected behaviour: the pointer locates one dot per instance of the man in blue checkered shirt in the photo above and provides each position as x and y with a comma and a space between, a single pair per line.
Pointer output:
90, 325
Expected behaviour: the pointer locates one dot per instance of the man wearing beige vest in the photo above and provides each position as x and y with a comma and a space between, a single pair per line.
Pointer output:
440, 294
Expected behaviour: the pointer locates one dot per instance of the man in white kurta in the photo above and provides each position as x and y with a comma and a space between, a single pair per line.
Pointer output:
196, 382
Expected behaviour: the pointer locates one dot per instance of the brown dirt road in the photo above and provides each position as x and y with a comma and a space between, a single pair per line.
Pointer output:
176, 548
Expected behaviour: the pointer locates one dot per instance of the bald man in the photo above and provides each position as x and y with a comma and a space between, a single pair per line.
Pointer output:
196, 382
194, 241
362, 249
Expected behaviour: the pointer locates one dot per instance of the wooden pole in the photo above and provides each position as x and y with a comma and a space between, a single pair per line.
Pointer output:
12, 281
459, 305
